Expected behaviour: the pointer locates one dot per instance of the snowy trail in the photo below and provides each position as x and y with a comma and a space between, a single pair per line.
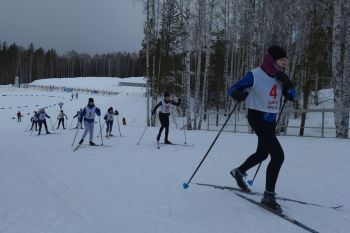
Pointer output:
46, 187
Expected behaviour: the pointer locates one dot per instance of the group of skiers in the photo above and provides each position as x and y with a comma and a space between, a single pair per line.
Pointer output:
39, 118
86, 115
261, 89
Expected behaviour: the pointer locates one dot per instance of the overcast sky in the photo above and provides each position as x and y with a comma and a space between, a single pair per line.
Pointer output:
91, 26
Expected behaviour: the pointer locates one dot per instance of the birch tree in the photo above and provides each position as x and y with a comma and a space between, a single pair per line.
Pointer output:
337, 70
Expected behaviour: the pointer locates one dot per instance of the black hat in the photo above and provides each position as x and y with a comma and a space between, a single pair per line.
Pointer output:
91, 100
277, 52
166, 94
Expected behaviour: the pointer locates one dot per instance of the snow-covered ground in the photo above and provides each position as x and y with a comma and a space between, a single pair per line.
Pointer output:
46, 187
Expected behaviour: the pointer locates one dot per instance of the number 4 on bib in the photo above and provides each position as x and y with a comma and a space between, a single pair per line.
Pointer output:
273, 91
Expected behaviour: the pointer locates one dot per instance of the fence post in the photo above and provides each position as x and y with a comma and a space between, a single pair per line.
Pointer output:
322, 129
208, 119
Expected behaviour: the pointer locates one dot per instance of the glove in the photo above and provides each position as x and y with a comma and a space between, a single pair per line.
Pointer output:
105, 118
153, 112
239, 95
292, 94
98, 112
116, 112
282, 77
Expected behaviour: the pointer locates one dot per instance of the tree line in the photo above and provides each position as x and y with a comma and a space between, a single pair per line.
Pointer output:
196, 49
31, 64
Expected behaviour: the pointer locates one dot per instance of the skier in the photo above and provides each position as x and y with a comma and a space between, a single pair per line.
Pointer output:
76, 95
34, 120
89, 120
60, 119
261, 88
19, 116
109, 117
60, 104
79, 120
164, 113
42, 120
72, 96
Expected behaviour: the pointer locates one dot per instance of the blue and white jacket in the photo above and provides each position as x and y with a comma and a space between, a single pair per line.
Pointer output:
88, 113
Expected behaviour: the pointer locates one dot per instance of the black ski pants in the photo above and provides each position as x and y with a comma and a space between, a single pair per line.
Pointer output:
164, 123
36, 125
109, 126
268, 144
61, 120
41, 124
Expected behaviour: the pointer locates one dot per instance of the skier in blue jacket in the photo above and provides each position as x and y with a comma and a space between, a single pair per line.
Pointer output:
89, 120
261, 88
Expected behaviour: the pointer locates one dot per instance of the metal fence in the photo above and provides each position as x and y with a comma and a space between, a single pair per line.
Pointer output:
69, 89
318, 122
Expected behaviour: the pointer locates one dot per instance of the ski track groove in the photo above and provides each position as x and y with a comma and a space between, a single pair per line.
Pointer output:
60, 195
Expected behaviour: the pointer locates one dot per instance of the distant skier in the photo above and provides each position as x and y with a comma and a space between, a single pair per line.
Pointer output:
34, 119
261, 88
19, 116
42, 120
89, 120
79, 119
60, 119
60, 104
166, 106
109, 118
72, 96
76, 95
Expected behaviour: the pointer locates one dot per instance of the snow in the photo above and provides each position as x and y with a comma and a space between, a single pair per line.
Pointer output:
93, 83
46, 187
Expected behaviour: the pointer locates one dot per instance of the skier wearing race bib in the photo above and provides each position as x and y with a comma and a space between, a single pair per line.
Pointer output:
262, 89
109, 118
42, 120
60, 119
89, 120
34, 121
166, 106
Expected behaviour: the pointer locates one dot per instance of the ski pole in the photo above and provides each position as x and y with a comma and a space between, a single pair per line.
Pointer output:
250, 182
28, 127
138, 143
52, 126
76, 133
119, 127
55, 123
185, 185
99, 120
31, 131
71, 122
103, 125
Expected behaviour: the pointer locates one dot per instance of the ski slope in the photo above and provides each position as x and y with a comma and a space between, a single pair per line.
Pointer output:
46, 187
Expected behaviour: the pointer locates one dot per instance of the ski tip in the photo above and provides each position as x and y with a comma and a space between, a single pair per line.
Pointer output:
185, 185
250, 182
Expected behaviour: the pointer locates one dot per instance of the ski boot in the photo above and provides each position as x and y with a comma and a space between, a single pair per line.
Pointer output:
111, 135
81, 141
167, 142
92, 143
237, 174
269, 200
48, 132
